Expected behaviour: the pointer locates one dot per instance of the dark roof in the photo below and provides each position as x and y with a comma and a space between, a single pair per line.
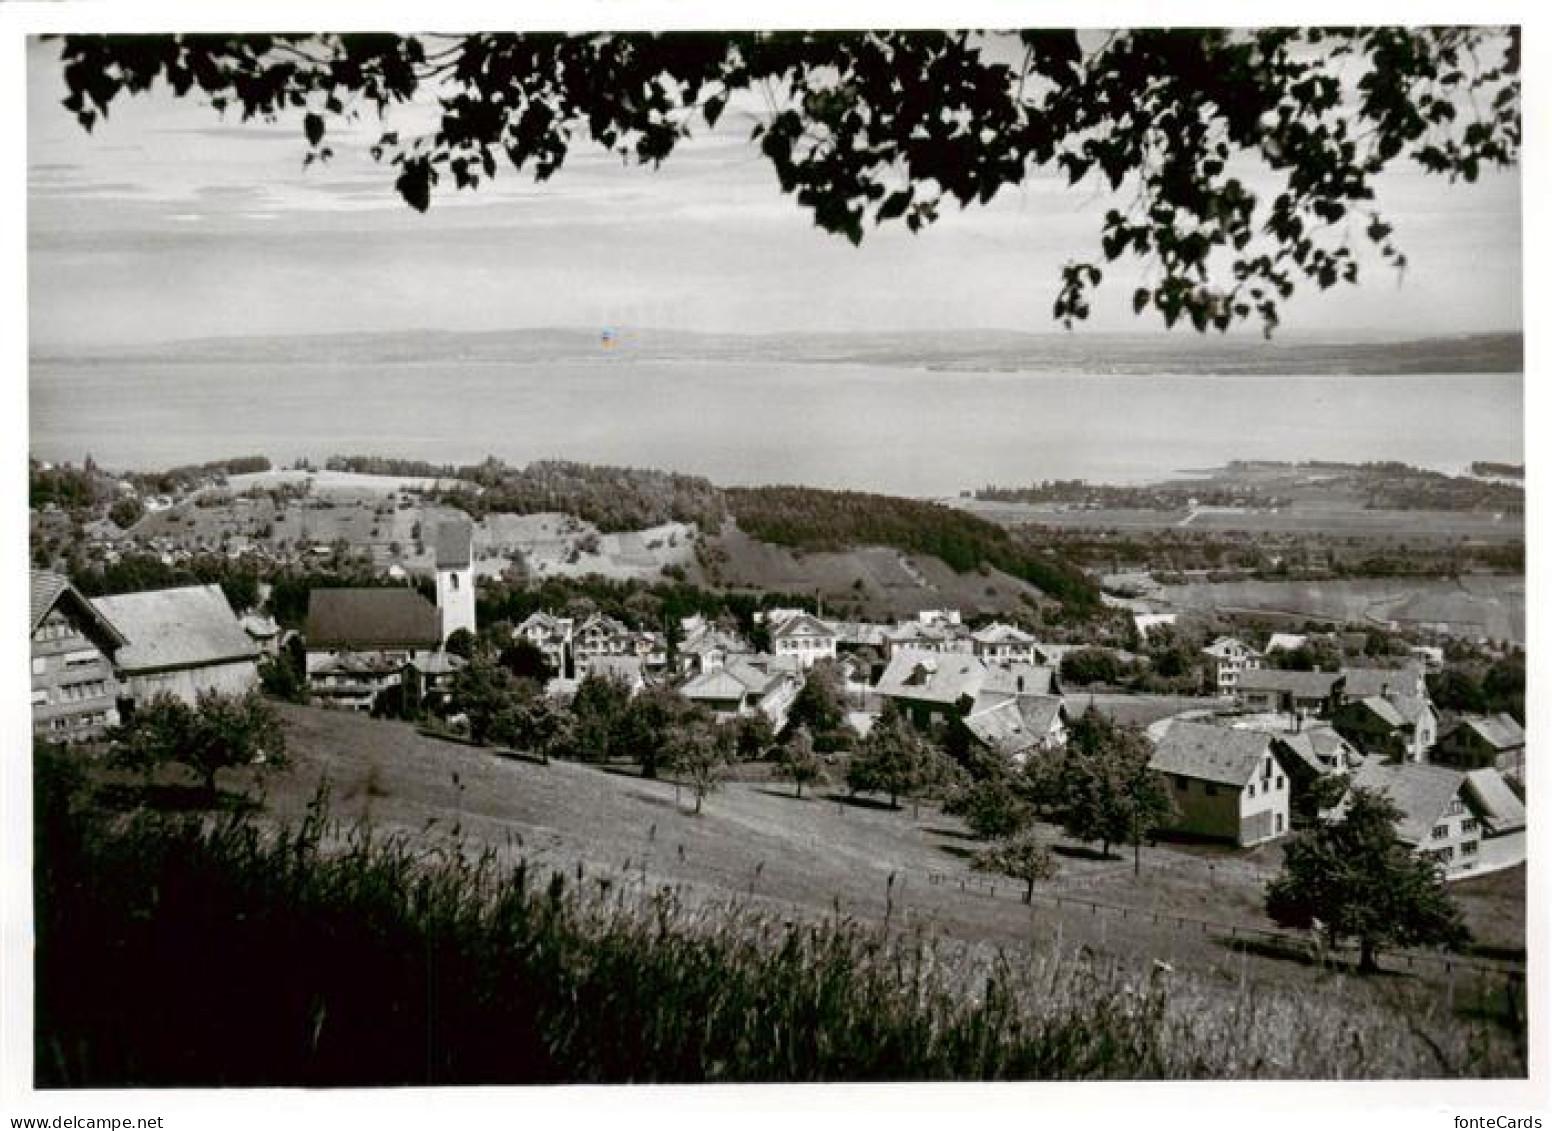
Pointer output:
189, 627
1306, 685
50, 589
1210, 753
371, 618
454, 543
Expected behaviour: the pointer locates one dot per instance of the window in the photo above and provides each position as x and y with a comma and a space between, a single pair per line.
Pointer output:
40, 665
1440, 832
40, 698
1469, 825
1281, 782
1212, 790
1455, 807
1182, 783
1250, 790
1469, 848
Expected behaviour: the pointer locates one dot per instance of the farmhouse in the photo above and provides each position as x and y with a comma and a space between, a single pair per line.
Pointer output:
625, 670
1297, 694
1020, 727
707, 647
929, 684
74, 686
1439, 817
744, 685
1227, 784
358, 640
428, 680
1474, 741
1398, 726
804, 636
181, 642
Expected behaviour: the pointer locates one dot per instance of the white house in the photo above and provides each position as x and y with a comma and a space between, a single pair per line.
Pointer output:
1227, 783
1230, 658
806, 637
999, 643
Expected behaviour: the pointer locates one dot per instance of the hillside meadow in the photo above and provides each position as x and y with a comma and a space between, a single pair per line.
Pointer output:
704, 937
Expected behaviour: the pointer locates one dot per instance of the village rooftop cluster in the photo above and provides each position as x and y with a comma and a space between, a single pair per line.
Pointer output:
1236, 769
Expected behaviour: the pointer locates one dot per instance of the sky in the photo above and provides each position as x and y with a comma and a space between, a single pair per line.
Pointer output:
168, 222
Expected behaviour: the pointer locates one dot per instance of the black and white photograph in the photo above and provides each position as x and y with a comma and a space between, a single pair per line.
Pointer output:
661, 549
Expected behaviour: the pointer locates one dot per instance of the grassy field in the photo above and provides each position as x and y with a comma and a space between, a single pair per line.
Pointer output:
1334, 520
872, 583
809, 857
1477, 605
452, 916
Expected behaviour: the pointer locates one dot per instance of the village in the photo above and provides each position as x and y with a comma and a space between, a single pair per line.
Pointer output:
1244, 758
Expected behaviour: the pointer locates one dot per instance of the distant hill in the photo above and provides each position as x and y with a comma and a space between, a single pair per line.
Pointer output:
968, 351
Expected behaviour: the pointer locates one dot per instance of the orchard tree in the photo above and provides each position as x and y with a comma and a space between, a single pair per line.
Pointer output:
481, 690
697, 751
819, 704
797, 761
895, 758
1020, 856
1104, 790
649, 725
529, 720
221, 730
597, 716
993, 809
526, 660
1353, 879
1243, 162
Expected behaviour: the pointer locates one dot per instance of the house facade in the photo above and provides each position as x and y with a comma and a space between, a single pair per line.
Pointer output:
1296, 694
1396, 726
1474, 741
1227, 784
1228, 659
552, 636
1438, 817
805, 637
75, 688
999, 643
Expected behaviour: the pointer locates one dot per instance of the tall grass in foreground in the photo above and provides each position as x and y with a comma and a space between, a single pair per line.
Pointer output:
187, 953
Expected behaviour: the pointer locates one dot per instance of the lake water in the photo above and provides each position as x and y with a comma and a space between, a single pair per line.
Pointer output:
901, 431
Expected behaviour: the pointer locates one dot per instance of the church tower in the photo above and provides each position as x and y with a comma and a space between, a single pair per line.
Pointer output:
455, 575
